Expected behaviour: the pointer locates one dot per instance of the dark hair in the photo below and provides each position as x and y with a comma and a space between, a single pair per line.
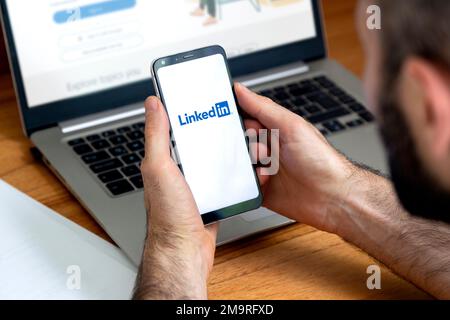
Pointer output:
418, 28
414, 28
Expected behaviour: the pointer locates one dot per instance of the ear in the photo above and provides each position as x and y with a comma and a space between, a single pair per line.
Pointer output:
427, 99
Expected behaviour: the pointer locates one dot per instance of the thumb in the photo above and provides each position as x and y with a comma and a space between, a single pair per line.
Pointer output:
267, 112
157, 136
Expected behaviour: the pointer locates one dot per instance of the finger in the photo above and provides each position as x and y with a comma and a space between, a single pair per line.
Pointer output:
157, 137
258, 152
251, 124
267, 112
263, 178
212, 230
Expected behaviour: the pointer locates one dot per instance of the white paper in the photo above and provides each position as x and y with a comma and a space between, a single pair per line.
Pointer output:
45, 256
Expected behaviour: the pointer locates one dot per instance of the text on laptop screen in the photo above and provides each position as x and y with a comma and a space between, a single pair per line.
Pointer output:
70, 48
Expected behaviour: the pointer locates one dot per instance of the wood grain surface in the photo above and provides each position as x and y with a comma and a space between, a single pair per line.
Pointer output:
296, 262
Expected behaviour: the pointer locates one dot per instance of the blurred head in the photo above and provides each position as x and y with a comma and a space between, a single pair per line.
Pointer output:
408, 88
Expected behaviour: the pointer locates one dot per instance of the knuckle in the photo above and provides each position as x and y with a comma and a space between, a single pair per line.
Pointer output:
267, 100
148, 167
151, 167
145, 165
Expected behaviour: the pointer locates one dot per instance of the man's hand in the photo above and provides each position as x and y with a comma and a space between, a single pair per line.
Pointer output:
320, 187
316, 185
179, 251
313, 176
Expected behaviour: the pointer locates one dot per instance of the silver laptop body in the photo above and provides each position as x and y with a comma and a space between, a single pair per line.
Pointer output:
123, 217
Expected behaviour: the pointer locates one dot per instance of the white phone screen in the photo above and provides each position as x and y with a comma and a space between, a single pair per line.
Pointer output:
207, 129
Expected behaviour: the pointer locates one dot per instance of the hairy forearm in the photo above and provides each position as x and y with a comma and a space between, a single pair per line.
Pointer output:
163, 276
371, 217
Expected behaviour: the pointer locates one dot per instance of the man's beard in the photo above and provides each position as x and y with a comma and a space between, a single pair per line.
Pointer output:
417, 190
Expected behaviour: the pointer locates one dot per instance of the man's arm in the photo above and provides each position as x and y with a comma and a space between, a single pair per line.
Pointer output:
371, 217
179, 249
318, 186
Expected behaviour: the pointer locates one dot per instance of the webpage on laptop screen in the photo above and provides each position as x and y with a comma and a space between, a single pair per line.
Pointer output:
70, 48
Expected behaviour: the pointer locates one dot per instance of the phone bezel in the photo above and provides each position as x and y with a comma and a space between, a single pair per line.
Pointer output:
183, 57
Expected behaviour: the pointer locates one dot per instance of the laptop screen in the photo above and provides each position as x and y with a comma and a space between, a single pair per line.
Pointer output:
71, 48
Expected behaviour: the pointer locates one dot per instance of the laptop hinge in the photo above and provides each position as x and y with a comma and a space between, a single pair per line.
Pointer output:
102, 118
274, 74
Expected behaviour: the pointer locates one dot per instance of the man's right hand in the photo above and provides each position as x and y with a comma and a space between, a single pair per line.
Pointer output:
313, 178
318, 186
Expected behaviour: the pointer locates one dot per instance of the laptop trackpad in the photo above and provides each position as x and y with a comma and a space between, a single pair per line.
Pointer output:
257, 215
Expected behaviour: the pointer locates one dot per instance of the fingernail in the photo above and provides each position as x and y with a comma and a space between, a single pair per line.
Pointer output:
152, 104
243, 87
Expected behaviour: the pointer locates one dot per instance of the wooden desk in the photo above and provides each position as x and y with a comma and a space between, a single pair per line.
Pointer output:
297, 262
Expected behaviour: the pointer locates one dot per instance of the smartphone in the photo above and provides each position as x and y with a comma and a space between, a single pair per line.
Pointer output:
207, 132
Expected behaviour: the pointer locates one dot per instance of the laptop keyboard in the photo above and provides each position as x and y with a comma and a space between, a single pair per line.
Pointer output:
115, 156
321, 102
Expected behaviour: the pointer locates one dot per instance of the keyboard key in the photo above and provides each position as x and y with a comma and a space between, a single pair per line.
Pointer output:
346, 99
324, 101
137, 182
82, 149
299, 102
329, 115
304, 90
118, 151
283, 102
312, 109
109, 133
110, 176
117, 140
325, 82
281, 96
320, 78
328, 103
324, 132
76, 142
142, 154
337, 92
93, 137
100, 144
95, 157
131, 158
119, 187
367, 116
135, 135
357, 107
107, 165
131, 171
135, 146
317, 96
355, 123
334, 126
138, 126
266, 93
299, 111
279, 89
289, 105
123, 130
306, 82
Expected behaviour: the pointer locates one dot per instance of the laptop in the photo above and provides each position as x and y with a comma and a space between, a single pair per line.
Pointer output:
82, 71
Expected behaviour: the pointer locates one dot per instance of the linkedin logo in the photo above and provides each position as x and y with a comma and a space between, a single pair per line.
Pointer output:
220, 110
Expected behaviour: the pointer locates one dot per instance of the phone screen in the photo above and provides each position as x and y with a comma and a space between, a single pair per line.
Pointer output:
207, 129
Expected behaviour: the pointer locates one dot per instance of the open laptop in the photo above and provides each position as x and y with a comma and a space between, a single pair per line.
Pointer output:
82, 72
